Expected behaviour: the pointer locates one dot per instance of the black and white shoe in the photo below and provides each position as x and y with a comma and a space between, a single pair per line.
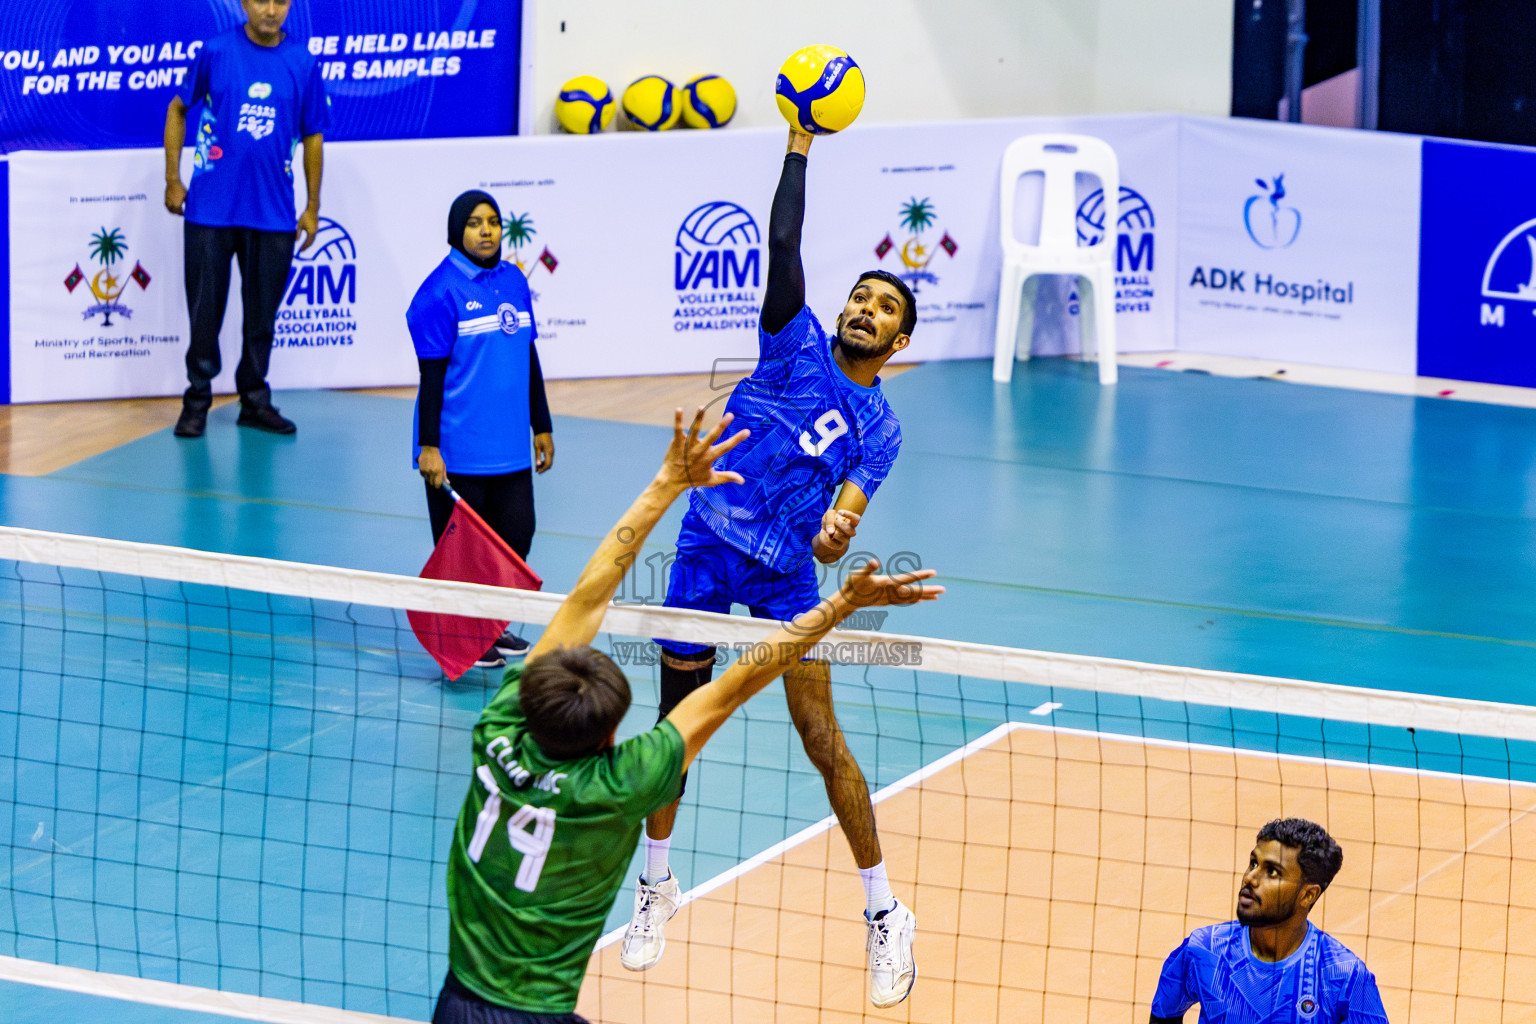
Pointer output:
490, 659
510, 646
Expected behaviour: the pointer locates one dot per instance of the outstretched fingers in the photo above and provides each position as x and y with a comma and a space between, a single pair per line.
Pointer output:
863, 587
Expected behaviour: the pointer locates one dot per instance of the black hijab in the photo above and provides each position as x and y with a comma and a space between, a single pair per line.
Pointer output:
458, 216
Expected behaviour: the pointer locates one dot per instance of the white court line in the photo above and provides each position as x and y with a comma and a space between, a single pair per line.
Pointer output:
181, 997
812, 831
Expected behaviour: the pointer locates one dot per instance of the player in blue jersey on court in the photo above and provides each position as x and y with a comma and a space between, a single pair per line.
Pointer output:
1271, 965
823, 439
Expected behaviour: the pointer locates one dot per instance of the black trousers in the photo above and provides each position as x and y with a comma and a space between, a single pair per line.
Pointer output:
458, 1005
264, 258
505, 502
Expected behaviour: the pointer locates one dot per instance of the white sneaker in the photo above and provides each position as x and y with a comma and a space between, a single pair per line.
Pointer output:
891, 967
646, 937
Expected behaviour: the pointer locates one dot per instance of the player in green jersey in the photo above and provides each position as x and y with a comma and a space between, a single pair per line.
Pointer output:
555, 809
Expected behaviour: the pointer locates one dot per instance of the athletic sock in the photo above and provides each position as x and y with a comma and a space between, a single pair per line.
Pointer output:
877, 890
656, 869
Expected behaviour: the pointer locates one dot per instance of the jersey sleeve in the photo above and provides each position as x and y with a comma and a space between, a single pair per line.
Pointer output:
1364, 1004
1176, 991
877, 461
433, 323
650, 770
314, 106
195, 86
776, 352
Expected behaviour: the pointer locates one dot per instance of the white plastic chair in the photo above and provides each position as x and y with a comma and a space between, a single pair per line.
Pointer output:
1060, 158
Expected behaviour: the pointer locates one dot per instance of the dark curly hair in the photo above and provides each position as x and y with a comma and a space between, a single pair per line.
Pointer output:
573, 699
908, 300
1319, 856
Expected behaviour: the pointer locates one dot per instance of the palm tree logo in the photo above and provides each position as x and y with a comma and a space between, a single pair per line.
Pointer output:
917, 216
108, 246
517, 231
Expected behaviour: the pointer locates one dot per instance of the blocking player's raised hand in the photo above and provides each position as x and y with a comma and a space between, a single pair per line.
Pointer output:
864, 588
690, 460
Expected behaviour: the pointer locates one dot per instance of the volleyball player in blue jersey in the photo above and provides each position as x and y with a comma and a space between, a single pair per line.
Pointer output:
823, 439
1271, 965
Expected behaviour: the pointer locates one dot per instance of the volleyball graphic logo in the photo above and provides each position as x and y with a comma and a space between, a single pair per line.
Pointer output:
717, 247
332, 242
708, 102
715, 224
820, 90
584, 106
652, 103
1134, 248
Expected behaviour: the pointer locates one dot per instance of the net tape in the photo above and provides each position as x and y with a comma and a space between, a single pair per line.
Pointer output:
1015, 665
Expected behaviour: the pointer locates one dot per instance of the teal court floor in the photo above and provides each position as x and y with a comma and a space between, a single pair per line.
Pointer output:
1239, 525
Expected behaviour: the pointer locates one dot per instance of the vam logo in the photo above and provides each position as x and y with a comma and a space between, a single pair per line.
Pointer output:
327, 270
259, 90
1135, 247
1510, 273
717, 247
1269, 224
322, 286
1135, 224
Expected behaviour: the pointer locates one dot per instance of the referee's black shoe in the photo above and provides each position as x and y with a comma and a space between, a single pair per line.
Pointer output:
264, 417
191, 423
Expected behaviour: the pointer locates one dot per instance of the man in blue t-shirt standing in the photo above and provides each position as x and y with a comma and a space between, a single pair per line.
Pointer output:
823, 439
1271, 965
260, 93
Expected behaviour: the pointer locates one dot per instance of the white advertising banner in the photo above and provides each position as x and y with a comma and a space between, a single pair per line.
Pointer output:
646, 254
1299, 243
97, 304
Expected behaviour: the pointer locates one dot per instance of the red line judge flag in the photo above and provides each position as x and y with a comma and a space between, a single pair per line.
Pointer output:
469, 551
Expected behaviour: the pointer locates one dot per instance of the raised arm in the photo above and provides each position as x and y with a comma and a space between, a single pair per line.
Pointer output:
689, 463
706, 709
785, 294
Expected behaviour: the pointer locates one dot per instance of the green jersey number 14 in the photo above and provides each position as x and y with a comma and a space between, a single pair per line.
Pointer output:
530, 830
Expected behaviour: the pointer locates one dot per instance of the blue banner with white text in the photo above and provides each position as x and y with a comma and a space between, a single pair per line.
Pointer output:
98, 74
1477, 264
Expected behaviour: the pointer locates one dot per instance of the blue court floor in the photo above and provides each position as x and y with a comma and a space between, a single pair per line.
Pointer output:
1241, 525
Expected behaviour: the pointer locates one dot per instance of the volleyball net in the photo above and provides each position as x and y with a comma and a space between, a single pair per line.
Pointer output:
237, 775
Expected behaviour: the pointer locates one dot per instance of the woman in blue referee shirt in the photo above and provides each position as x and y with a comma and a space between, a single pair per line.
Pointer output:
481, 386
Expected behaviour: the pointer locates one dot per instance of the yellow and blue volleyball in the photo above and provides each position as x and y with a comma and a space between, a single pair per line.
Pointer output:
652, 103
584, 106
708, 102
820, 90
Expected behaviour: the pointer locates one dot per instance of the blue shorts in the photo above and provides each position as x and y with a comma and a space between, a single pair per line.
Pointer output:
711, 575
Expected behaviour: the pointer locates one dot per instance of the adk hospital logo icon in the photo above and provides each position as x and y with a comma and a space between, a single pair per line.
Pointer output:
108, 248
1270, 223
717, 267
1510, 273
